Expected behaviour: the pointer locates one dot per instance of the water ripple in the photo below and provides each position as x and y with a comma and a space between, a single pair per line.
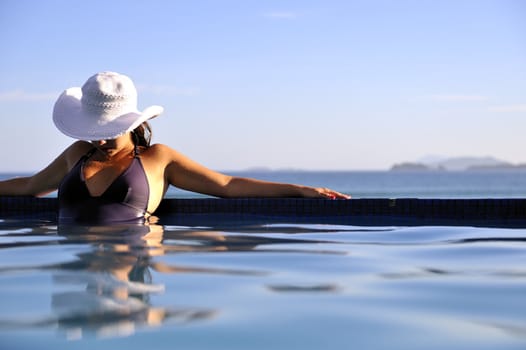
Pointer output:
384, 287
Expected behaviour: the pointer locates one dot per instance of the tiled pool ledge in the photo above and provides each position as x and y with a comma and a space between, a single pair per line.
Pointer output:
494, 212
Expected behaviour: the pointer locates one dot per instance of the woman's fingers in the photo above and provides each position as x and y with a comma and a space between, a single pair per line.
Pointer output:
328, 193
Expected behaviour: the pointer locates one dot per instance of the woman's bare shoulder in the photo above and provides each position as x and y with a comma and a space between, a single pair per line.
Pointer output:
162, 151
158, 147
81, 145
164, 156
76, 150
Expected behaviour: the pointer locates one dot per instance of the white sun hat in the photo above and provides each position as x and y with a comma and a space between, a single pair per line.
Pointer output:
104, 108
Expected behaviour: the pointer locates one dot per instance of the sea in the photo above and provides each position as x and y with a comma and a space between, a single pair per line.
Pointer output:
400, 184
273, 285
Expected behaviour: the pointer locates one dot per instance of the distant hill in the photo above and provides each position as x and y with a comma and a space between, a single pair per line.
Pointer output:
458, 164
466, 163
521, 167
412, 166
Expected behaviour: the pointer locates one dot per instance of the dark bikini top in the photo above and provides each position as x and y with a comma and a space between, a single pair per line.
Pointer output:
125, 200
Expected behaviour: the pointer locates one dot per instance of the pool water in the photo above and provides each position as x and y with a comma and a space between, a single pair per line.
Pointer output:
261, 286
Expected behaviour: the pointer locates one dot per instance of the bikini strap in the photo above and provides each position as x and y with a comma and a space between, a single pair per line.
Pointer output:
89, 153
135, 145
86, 156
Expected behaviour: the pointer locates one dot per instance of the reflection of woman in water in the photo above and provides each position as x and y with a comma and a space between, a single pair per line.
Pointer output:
116, 282
113, 174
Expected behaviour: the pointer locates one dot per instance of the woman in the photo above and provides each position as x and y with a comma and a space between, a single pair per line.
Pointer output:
113, 174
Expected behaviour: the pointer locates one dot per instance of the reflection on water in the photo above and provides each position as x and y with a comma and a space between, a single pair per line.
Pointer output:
106, 289
116, 280
263, 286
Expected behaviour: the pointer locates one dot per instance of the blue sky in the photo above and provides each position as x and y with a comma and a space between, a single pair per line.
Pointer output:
327, 84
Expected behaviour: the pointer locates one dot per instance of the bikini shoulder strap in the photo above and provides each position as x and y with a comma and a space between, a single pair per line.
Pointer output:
89, 153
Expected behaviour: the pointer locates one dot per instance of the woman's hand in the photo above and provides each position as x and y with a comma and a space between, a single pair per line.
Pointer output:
322, 192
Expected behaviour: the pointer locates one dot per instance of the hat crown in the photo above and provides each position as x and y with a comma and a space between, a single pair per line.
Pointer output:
108, 95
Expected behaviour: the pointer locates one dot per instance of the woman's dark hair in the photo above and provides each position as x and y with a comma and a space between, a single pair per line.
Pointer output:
142, 135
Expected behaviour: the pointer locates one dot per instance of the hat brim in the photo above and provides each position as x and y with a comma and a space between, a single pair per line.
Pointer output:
72, 120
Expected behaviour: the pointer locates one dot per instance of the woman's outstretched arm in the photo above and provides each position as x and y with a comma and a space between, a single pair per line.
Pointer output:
247, 187
184, 173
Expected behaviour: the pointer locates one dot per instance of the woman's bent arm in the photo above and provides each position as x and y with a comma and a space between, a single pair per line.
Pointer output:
45, 181
17, 186
40, 184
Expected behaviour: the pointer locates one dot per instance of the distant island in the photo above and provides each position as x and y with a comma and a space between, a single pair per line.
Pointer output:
459, 164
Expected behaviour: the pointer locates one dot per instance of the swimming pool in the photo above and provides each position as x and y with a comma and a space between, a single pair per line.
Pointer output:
261, 285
